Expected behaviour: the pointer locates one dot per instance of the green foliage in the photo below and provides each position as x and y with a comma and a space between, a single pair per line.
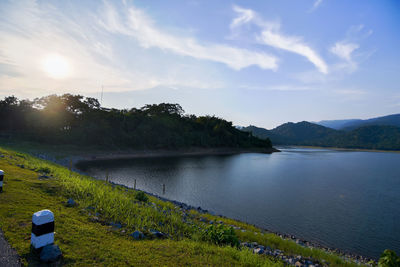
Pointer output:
221, 235
44, 170
389, 259
75, 120
310, 134
141, 196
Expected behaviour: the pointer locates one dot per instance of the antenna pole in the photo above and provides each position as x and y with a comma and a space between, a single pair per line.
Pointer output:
101, 98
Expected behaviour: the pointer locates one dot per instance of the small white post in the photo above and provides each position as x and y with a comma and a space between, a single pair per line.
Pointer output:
1, 180
42, 229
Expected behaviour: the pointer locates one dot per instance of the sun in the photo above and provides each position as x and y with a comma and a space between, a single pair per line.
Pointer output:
56, 66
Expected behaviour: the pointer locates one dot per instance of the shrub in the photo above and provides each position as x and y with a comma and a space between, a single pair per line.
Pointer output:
221, 235
141, 196
45, 170
389, 259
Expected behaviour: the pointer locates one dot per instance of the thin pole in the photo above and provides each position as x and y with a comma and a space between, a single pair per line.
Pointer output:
163, 189
134, 185
101, 98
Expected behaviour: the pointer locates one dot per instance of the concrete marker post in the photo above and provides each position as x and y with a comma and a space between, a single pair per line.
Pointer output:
42, 229
1, 180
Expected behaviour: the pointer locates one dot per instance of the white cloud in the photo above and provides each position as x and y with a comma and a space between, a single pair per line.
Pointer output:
135, 23
316, 4
344, 50
270, 35
30, 31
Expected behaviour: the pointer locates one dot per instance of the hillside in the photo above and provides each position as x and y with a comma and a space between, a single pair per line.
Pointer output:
306, 133
389, 120
337, 124
76, 120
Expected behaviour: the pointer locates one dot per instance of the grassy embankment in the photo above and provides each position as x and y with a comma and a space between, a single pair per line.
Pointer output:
86, 238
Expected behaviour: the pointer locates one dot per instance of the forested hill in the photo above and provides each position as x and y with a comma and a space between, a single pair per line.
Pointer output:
78, 120
310, 134
348, 125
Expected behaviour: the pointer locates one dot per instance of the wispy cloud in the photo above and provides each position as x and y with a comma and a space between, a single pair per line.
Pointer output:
135, 23
316, 4
30, 31
279, 87
271, 35
344, 49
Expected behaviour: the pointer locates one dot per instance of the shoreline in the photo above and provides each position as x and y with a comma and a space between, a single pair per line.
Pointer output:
174, 153
196, 152
346, 255
340, 148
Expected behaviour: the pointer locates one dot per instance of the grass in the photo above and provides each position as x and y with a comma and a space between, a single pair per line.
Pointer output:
86, 238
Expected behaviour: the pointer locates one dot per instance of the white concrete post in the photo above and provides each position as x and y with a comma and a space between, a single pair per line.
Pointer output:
1, 180
42, 229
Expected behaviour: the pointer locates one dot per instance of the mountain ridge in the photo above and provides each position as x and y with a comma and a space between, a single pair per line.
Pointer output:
369, 136
351, 124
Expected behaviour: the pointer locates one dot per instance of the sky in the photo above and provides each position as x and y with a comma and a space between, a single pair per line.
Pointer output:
259, 63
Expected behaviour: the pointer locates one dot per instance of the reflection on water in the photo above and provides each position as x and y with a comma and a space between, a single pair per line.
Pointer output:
344, 199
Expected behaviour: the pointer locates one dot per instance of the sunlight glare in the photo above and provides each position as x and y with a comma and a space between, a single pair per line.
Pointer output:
56, 66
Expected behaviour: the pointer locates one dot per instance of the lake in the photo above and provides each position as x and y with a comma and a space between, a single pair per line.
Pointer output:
341, 199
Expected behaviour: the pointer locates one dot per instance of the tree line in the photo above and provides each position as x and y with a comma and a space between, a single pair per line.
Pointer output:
78, 120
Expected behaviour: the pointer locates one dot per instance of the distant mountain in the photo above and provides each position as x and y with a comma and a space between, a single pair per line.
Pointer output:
337, 124
311, 134
390, 120
304, 132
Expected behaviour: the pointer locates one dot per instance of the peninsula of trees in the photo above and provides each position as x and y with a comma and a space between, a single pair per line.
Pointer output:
78, 120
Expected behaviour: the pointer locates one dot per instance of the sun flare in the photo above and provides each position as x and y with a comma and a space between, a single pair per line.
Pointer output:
56, 66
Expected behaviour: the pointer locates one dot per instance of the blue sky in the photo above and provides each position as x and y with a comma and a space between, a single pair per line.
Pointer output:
251, 62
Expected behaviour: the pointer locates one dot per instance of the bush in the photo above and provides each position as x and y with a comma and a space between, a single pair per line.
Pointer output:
221, 235
45, 170
141, 196
389, 259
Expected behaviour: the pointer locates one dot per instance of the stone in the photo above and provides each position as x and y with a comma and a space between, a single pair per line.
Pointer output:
157, 234
71, 202
137, 235
116, 225
258, 251
50, 253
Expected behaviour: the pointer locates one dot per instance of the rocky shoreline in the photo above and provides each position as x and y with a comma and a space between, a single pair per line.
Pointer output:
294, 260
259, 249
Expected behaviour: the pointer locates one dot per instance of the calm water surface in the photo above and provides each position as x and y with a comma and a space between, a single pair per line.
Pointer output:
342, 199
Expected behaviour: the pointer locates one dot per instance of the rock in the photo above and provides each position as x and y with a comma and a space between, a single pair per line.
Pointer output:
202, 219
71, 202
258, 251
50, 253
94, 219
137, 235
116, 225
254, 244
157, 234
